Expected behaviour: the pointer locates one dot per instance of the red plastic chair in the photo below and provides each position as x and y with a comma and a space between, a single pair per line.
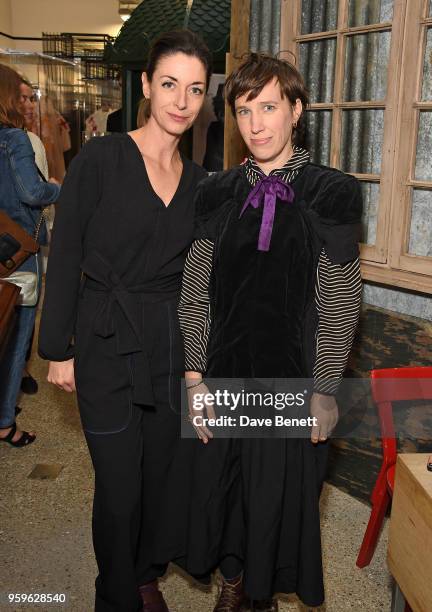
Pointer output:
390, 385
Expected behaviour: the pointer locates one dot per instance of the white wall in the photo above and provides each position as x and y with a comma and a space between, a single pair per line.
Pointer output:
399, 300
5, 23
32, 17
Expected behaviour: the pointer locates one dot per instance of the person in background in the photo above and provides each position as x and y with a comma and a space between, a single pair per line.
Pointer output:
115, 118
97, 121
115, 121
214, 155
23, 195
54, 131
28, 101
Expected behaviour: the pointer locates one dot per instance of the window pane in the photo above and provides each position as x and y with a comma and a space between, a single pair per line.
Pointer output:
318, 16
318, 135
423, 169
370, 210
427, 68
317, 64
366, 62
369, 11
420, 241
362, 135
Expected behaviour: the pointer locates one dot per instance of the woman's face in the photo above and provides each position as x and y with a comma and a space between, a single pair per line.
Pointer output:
27, 104
266, 123
176, 92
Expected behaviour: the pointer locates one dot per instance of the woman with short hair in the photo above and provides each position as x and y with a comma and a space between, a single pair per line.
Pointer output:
271, 289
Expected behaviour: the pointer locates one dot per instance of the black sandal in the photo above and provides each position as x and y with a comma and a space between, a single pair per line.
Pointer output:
24, 440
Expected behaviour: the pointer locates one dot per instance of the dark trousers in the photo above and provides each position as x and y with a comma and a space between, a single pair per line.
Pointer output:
131, 461
130, 471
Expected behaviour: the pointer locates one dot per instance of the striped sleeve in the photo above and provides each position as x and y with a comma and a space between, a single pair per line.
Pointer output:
338, 298
194, 306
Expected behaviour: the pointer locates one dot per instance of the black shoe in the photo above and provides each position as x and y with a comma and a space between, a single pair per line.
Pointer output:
29, 385
24, 440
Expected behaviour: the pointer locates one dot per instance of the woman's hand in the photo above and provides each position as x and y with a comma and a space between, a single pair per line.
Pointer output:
61, 374
198, 409
54, 181
324, 408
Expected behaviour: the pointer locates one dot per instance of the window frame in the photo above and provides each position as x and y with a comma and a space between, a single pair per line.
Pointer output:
385, 262
416, 27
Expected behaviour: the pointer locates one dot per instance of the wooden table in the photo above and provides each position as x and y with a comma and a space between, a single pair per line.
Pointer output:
410, 536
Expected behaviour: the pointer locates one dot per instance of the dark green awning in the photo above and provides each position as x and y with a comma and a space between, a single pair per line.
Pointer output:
209, 18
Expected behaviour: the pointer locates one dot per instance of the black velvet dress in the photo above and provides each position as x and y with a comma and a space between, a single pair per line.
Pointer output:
258, 499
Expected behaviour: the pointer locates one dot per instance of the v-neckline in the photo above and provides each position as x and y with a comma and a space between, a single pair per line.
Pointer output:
147, 178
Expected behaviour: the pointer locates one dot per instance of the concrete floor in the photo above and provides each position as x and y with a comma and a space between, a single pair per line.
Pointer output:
45, 537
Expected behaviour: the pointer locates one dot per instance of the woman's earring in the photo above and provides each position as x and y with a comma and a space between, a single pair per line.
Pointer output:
295, 124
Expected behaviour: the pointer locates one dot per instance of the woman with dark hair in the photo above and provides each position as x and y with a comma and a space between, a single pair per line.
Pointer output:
271, 289
109, 325
22, 197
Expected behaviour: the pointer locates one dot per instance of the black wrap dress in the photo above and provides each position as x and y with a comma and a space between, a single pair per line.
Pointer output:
113, 286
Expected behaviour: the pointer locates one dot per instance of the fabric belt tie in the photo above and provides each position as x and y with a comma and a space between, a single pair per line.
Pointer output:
268, 189
120, 315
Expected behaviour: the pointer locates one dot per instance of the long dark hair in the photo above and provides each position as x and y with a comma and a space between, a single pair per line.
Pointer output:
179, 41
169, 43
11, 114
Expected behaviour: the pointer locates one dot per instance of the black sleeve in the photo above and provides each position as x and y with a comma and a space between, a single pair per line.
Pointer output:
114, 121
205, 222
210, 210
336, 217
78, 199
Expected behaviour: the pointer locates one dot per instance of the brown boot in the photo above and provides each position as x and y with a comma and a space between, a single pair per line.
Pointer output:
231, 595
152, 598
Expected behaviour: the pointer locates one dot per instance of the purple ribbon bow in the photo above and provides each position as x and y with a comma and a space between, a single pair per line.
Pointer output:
271, 187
